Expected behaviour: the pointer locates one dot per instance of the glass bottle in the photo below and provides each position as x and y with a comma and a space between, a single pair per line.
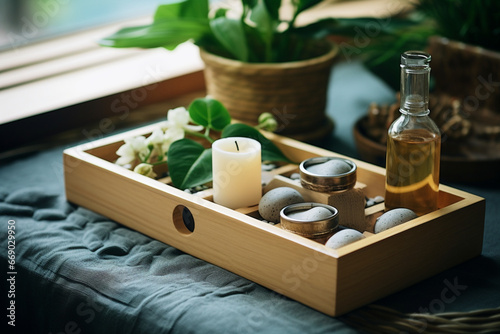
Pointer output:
413, 142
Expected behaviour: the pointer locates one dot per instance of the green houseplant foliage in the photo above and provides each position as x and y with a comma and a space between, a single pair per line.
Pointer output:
250, 31
475, 22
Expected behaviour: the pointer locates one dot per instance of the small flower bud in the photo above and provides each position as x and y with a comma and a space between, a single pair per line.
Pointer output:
145, 169
267, 122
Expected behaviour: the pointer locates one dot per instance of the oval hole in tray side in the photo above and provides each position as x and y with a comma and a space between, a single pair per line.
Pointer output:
183, 220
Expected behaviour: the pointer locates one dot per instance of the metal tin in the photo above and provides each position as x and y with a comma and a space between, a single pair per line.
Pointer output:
319, 230
326, 183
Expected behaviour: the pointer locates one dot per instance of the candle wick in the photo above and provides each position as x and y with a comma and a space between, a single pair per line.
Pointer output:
236, 145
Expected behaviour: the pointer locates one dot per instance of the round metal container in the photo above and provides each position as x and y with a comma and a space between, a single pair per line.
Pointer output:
326, 183
319, 230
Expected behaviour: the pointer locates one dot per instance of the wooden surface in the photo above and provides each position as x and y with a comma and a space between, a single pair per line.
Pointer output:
331, 281
74, 69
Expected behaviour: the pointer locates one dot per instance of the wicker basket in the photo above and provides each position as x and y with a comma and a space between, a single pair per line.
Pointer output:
295, 92
468, 72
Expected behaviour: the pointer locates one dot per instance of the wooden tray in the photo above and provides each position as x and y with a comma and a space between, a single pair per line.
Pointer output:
331, 281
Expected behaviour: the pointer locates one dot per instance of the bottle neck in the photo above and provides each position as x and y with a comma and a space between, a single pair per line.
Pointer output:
415, 75
413, 112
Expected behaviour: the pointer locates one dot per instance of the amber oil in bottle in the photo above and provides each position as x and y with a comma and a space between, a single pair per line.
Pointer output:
413, 142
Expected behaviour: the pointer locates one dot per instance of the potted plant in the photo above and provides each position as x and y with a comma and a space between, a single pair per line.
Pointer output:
455, 32
257, 59
463, 37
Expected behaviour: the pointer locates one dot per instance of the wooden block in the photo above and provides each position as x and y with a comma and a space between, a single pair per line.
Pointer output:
350, 203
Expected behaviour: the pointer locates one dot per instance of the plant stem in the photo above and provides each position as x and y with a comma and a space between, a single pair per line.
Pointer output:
158, 162
145, 160
201, 135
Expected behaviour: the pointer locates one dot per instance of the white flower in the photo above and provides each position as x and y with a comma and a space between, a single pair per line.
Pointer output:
141, 150
155, 143
134, 148
156, 138
179, 118
145, 169
168, 138
173, 134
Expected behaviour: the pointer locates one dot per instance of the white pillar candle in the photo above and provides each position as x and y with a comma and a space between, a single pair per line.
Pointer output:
236, 167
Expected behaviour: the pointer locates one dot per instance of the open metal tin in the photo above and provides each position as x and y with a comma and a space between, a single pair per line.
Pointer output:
319, 230
327, 183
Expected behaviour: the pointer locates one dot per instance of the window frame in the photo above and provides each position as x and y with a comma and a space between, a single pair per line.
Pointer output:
52, 86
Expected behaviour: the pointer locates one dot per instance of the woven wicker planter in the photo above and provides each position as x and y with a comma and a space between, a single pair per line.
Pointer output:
468, 72
295, 92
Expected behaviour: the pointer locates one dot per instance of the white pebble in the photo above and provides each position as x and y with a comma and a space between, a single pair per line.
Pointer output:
378, 199
276, 199
330, 168
313, 214
295, 176
343, 238
268, 167
393, 218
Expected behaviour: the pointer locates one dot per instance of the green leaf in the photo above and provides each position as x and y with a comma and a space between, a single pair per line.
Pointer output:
170, 10
174, 9
355, 27
261, 36
263, 22
220, 12
257, 48
189, 163
273, 7
209, 113
302, 5
249, 3
231, 35
270, 152
167, 34
174, 23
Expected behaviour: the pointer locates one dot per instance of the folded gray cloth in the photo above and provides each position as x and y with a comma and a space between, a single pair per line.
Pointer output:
75, 266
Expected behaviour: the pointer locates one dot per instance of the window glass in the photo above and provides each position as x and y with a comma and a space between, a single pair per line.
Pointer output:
27, 21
